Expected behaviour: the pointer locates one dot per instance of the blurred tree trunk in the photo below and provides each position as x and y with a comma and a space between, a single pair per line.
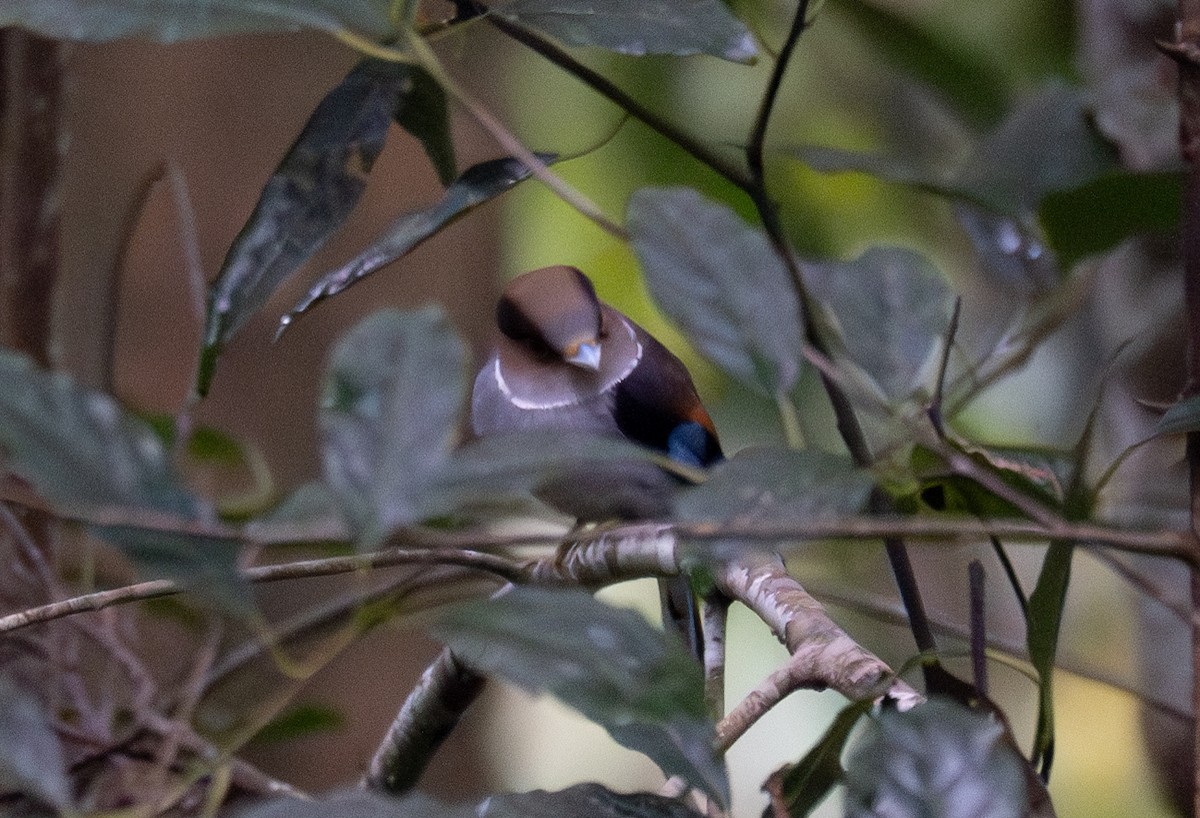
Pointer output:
32, 141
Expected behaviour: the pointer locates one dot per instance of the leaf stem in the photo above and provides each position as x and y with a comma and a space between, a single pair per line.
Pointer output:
428, 60
732, 172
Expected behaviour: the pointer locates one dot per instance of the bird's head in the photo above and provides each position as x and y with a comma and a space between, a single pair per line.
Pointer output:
555, 312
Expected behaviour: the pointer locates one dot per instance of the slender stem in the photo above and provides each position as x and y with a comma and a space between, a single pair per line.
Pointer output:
429, 61
732, 172
431, 711
758, 134
848, 424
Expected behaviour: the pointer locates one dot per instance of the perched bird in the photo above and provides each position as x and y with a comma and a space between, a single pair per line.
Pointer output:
566, 360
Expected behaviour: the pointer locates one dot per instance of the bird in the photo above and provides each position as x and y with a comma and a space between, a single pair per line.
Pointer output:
564, 359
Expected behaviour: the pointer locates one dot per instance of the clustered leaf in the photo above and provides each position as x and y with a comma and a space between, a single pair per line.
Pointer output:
477, 185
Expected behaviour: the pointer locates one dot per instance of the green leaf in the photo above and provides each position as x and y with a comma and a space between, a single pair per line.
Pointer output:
1182, 417
1027, 472
1042, 628
307, 198
300, 721
890, 308
31, 758
614, 667
586, 476
720, 279
169, 21
84, 453
423, 112
798, 789
639, 27
939, 758
974, 88
388, 415
477, 185
580, 801
1104, 212
772, 484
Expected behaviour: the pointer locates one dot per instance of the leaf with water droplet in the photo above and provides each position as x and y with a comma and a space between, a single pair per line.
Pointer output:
639, 27
610, 664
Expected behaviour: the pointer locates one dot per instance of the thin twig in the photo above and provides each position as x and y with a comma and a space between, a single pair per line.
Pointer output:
716, 620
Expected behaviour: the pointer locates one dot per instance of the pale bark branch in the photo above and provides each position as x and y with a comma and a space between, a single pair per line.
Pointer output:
822, 654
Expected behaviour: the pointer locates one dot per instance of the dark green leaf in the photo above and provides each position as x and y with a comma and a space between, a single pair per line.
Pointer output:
797, 789
31, 759
307, 198
422, 111
478, 184
720, 279
300, 721
1108, 210
778, 484
939, 758
170, 21
1183, 417
580, 801
638, 27
1025, 471
610, 664
890, 308
392, 394
974, 88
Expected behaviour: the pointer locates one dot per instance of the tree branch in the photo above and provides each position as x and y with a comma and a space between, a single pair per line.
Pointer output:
822, 654
431, 711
